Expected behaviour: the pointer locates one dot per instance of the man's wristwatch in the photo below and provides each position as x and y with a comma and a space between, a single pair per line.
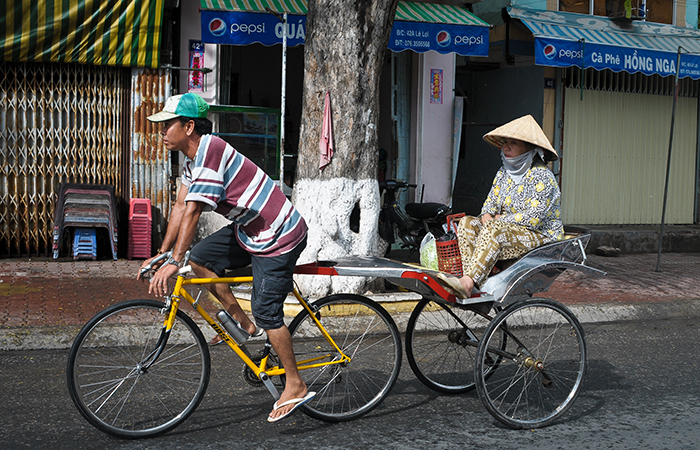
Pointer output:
172, 261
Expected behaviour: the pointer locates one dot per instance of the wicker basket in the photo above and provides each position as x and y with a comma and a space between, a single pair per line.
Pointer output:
448, 255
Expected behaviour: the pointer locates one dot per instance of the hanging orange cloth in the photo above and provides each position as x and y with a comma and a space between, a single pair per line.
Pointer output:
325, 144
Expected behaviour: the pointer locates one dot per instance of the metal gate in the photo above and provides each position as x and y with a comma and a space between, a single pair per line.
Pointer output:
58, 123
616, 135
151, 173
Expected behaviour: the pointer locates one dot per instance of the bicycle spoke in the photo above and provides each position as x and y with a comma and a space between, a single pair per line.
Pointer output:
127, 386
543, 377
365, 333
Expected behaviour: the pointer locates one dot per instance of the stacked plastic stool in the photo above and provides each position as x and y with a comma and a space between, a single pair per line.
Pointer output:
85, 206
85, 243
139, 228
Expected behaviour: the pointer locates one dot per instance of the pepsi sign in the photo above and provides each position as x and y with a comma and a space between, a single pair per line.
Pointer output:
549, 51
243, 28
564, 53
217, 27
443, 38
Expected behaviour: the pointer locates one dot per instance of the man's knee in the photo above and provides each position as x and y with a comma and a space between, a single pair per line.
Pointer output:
201, 271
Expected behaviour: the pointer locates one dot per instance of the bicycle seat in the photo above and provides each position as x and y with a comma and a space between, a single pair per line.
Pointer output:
424, 211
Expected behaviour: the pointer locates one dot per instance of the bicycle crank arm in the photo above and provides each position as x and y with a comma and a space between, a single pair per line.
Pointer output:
268, 384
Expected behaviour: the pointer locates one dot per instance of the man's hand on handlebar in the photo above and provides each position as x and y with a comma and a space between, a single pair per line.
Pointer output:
161, 270
151, 264
159, 282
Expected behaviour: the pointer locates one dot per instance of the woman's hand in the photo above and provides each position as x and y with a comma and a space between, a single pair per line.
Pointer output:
486, 217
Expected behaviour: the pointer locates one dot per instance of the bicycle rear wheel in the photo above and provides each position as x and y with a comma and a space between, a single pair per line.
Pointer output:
366, 333
114, 386
542, 368
441, 343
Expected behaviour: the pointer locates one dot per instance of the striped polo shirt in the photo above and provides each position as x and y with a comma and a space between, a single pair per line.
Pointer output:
232, 185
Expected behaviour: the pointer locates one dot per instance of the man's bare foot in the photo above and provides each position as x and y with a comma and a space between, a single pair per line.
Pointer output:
299, 391
245, 322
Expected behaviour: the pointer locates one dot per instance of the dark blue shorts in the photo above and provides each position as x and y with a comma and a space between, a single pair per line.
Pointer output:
272, 275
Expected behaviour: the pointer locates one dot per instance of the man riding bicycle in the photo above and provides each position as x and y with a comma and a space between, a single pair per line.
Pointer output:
266, 231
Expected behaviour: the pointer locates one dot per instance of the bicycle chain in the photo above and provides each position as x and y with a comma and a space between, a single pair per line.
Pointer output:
249, 376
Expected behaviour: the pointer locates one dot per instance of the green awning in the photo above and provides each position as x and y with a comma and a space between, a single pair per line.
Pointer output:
435, 13
405, 11
100, 32
279, 6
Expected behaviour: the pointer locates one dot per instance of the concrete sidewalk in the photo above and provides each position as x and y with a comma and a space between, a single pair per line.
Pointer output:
43, 303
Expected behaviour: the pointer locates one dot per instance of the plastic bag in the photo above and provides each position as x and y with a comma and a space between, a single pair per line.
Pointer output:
428, 252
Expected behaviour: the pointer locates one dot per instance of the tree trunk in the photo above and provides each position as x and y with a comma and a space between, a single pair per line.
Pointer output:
344, 51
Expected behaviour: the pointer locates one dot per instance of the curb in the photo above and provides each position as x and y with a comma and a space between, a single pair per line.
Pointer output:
398, 304
680, 309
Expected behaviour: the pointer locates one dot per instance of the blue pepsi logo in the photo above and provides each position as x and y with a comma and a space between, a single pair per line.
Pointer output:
217, 27
443, 38
549, 51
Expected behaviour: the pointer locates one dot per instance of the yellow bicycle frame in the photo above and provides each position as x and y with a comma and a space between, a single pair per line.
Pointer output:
179, 293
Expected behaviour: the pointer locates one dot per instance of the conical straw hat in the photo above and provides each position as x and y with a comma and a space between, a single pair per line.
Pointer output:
525, 129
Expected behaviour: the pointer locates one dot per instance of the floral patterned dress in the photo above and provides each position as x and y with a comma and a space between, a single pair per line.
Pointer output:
533, 203
530, 217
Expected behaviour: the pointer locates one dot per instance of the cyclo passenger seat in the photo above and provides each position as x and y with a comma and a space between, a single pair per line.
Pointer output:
503, 264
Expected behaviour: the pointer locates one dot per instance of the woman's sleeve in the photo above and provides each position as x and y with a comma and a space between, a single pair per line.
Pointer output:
539, 194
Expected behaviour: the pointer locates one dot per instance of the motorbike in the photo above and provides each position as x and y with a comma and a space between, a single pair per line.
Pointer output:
412, 224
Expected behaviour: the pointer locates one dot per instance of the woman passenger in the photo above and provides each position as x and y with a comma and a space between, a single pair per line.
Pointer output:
522, 210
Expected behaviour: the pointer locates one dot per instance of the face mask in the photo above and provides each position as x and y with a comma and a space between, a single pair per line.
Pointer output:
518, 166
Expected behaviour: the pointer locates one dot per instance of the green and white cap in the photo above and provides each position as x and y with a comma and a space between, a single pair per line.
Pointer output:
185, 105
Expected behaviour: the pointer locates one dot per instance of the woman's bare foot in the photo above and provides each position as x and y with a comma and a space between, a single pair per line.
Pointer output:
467, 283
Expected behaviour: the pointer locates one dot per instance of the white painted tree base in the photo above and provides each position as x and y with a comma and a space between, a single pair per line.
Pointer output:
326, 206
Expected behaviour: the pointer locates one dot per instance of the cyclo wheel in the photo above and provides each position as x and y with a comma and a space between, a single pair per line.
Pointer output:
542, 369
441, 344
117, 390
366, 333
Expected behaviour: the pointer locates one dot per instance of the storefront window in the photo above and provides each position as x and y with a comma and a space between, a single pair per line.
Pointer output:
576, 6
252, 131
659, 11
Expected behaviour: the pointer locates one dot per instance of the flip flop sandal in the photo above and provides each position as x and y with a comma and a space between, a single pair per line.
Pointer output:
216, 340
297, 402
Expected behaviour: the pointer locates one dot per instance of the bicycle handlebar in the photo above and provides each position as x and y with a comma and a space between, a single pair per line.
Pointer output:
159, 258
394, 185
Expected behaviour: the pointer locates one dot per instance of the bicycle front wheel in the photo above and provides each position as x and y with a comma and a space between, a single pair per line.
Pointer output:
363, 331
115, 384
541, 370
441, 343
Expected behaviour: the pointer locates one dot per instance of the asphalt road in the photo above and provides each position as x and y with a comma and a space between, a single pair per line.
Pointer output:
641, 391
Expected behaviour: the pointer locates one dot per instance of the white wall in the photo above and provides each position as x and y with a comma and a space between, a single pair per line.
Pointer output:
432, 145
191, 28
